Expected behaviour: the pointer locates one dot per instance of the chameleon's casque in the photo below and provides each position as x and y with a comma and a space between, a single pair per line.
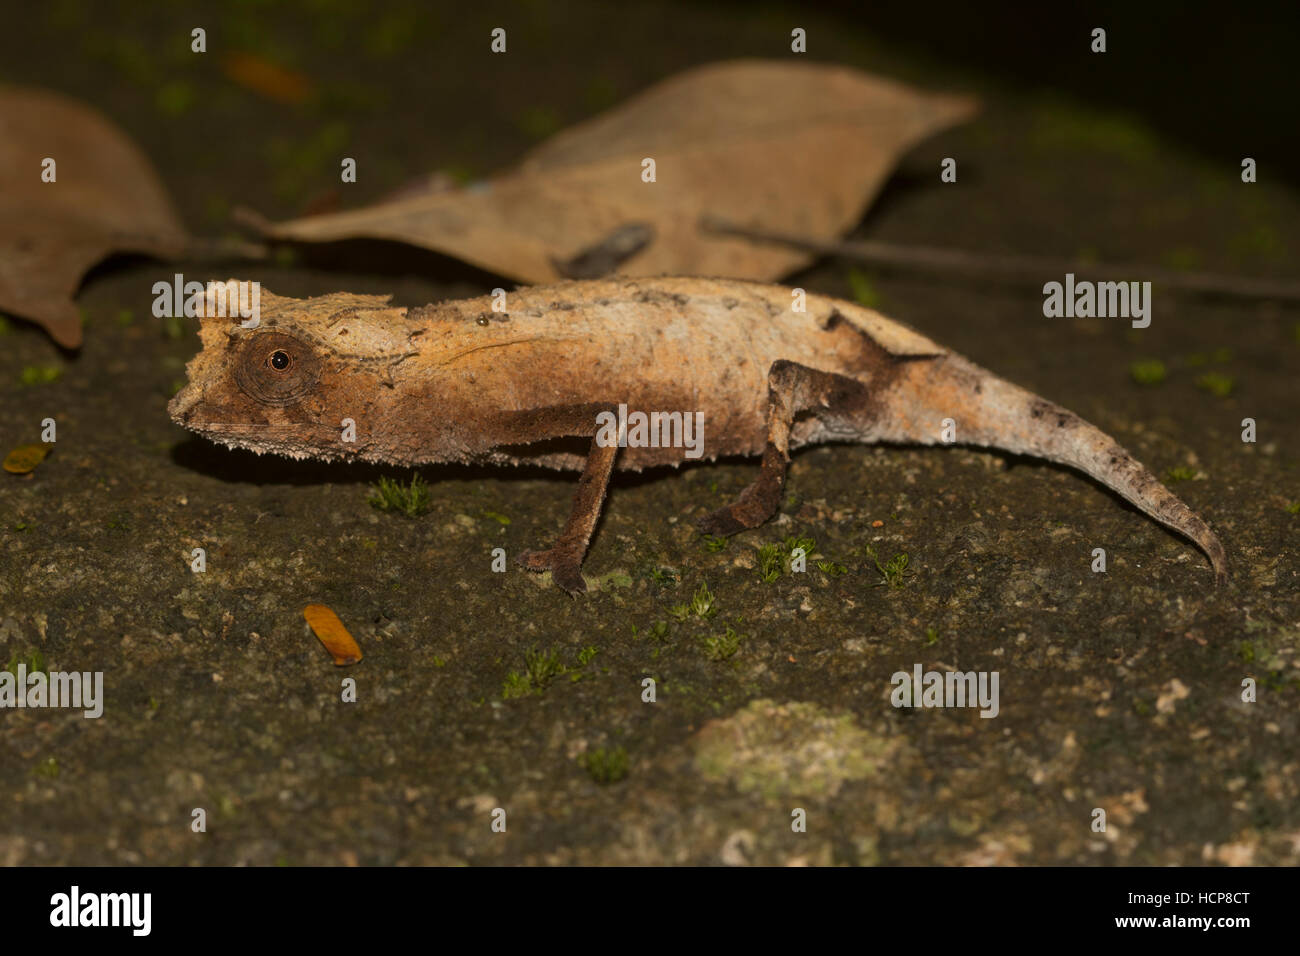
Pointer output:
462, 382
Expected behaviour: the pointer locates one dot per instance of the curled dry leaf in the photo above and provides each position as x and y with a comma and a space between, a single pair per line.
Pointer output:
25, 458
325, 624
105, 198
766, 144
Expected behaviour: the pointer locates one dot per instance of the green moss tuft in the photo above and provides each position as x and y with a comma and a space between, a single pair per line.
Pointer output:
40, 374
605, 766
1181, 473
1148, 371
411, 500
541, 668
893, 572
721, 647
770, 561
1217, 384
713, 544
703, 605
34, 660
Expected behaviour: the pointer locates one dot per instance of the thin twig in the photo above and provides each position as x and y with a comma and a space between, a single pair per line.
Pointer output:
1029, 270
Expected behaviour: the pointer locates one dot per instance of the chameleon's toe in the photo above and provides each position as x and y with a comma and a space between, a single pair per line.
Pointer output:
722, 522
534, 560
569, 577
566, 573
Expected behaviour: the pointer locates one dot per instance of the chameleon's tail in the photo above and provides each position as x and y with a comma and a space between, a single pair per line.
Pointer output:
993, 413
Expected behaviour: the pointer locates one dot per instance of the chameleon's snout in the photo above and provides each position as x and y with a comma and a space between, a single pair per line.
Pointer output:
192, 409
183, 403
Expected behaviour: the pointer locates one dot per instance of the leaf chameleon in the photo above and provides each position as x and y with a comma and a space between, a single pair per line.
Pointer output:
459, 382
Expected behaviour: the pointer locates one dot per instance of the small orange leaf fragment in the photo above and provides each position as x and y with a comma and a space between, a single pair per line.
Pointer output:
327, 626
266, 78
25, 458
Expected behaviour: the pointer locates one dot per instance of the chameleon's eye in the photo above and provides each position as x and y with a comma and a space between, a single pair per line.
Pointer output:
276, 368
482, 320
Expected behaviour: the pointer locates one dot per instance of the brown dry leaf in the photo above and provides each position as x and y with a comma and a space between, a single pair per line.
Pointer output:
25, 458
105, 198
764, 144
266, 78
327, 626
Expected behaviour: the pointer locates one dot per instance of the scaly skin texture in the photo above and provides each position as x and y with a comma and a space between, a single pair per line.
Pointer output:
459, 382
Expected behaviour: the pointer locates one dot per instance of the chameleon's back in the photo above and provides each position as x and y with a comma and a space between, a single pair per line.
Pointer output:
663, 344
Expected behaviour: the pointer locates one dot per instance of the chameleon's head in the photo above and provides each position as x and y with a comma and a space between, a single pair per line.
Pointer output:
285, 382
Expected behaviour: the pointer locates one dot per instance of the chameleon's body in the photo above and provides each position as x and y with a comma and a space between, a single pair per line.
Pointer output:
459, 382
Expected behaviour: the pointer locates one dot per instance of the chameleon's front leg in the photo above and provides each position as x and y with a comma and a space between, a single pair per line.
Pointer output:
791, 388
564, 558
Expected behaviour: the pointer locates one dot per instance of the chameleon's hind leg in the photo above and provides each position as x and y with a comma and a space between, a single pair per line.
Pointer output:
791, 388
564, 558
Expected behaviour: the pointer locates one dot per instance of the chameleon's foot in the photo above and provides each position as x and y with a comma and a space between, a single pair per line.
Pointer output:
722, 522
756, 504
566, 571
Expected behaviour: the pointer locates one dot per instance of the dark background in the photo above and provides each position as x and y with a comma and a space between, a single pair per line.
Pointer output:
1215, 76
